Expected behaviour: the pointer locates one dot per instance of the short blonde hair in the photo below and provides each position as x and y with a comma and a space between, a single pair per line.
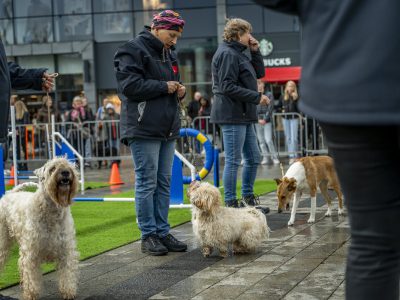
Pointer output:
236, 27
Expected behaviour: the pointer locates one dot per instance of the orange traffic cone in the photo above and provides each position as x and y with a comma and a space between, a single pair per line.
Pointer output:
115, 178
12, 173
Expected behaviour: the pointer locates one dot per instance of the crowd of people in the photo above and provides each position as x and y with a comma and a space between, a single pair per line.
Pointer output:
92, 134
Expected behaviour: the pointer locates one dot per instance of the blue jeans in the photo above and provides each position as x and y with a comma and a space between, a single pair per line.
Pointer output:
238, 138
153, 166
291, 129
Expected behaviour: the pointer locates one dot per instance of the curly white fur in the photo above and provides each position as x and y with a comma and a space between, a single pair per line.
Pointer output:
41, 223
218, 227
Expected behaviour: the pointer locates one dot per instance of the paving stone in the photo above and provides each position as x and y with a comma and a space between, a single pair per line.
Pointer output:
245, 279
186, 289
221, 292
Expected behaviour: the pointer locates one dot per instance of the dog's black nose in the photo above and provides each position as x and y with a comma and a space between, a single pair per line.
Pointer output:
65, 173
279, 210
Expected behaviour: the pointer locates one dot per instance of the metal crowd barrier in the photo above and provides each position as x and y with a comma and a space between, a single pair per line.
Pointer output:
98, 141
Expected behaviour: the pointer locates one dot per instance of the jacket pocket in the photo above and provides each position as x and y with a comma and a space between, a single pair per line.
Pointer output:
141, 107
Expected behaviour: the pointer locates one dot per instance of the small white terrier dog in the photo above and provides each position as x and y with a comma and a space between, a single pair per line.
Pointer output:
218, 227
42, 225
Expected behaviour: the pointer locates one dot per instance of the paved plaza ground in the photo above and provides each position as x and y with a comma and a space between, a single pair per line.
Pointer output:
306, 261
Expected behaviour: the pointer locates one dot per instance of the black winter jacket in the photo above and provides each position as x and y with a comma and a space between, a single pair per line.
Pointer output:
13, 76
142, 67
350, 59
235, 84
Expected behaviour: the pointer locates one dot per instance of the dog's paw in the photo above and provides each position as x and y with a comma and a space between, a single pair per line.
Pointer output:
328, 213
223, 253
311, 220
340, 212
206, 251
290, 223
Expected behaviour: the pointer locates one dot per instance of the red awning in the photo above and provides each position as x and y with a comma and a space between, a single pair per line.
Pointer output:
282, 74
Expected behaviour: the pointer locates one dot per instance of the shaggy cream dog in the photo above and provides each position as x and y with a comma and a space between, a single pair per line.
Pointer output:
41, 223
218, 227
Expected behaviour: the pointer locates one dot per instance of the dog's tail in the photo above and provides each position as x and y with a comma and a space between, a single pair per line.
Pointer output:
263, 218
23, 186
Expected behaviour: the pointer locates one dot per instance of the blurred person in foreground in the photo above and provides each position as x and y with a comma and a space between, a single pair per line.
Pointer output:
147, 74
234, 108
350, 85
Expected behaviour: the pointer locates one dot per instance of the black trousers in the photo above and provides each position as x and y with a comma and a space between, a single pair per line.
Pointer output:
367, 160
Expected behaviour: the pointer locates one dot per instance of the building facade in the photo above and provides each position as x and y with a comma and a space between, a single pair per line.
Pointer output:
78, 39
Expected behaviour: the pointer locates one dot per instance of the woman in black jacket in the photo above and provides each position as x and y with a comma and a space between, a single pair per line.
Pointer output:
148, 84
235, 99
350, 86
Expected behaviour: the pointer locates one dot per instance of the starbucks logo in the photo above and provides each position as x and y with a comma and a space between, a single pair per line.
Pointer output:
266, 47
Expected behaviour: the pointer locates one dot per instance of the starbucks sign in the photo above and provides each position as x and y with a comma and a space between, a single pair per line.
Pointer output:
266, 47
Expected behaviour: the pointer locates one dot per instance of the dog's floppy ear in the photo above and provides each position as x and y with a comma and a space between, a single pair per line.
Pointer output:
292, 184
278, 181
40, 173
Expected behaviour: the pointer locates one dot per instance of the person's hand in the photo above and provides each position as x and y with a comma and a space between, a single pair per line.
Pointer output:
48, 81
172, 86
264, 100
262, 122
253, 44
181, 91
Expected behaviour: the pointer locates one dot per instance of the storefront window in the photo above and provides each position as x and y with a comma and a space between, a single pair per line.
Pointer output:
37, 61
70, 28
34, 30
113, 27
70, 81
191, 4
68, 7
6, 28
207, 17
32, 8
112, 6
279, 22
195, 56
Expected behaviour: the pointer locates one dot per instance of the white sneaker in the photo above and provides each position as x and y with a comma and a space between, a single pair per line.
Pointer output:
264, 161
276, 161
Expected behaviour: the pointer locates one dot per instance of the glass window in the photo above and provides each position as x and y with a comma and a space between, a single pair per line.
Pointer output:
279, 22
67, 7
112, 6
32, 8
70, 28
250, 13
69, 64
113, 27
6, 26
191, 3
34, 30
200, 22
37, 61
155, 5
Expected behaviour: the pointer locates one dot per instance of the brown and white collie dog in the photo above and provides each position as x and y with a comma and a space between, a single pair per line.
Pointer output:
306, 175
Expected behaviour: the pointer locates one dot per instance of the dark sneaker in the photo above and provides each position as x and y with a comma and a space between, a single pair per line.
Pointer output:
231, 203
172, 244
254, 200
251, 200
264, 210
153, 246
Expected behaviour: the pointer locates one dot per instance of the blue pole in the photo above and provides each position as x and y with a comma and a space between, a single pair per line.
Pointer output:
216, 167
2, 184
